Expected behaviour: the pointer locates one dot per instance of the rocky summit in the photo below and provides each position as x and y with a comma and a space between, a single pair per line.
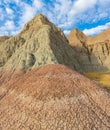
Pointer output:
52, 97
93, 52
39, 43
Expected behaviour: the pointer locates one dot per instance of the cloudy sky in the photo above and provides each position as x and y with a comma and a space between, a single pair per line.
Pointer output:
89, 16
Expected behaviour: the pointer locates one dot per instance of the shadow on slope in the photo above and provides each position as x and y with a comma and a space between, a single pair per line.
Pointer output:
79, 58
88, 60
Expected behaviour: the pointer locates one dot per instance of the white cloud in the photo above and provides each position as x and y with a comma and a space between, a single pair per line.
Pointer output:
1, 14
27, 13
66, 32
10, 25
96, 30
72, 10
10, 1
104, 3
38, 4
9, 11
81, 6
7, 27
64, 13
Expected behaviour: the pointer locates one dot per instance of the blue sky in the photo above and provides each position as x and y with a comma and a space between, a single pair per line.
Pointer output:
89, 16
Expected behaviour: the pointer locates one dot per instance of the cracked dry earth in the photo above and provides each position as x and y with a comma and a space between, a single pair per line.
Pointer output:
52, 97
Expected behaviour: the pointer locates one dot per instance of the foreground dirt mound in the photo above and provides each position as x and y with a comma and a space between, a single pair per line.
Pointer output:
52, 97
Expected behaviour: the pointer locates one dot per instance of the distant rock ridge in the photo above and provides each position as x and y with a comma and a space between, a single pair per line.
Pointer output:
93, 52
102, 37
76, 37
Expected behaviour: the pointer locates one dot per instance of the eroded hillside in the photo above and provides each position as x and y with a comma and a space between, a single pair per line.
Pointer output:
52, 97
93, 52
39, 43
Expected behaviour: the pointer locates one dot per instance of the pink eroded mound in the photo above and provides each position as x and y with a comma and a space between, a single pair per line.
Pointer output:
52, 97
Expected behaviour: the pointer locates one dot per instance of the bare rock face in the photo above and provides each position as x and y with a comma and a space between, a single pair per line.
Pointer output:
76, 38
3, 38
39, 43
93, 52
8, 48
100, 38
52, 97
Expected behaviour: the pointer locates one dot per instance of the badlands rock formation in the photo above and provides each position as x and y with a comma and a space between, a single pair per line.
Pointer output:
76, 38
40, 42
49, 97
52, 97
93, 52
3, 38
